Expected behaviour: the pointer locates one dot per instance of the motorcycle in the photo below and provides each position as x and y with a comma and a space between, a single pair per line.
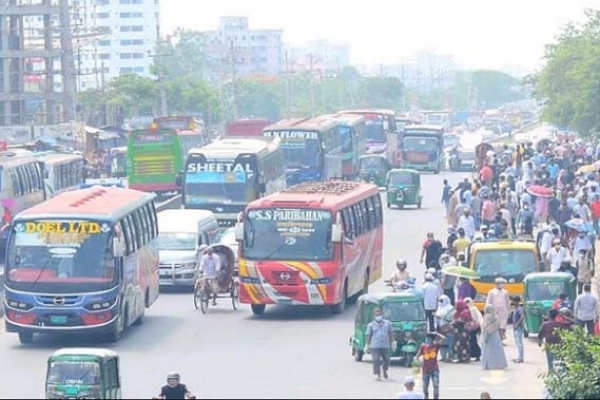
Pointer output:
397, 287
455, 162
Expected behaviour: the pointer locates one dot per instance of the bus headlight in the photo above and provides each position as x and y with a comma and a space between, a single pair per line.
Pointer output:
18, 305
101, 305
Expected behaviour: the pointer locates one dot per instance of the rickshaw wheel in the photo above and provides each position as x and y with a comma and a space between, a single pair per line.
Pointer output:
358, 355
204, 299
234, 294
197, 297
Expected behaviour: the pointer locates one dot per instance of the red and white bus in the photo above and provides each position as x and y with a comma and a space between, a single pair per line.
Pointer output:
317, 243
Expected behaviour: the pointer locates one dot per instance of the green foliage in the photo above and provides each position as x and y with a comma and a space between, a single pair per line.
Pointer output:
190, 94
495, 88
581, 376
569, 84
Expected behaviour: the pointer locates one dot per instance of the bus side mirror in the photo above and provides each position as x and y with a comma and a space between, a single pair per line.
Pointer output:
118, 248
179, 178
239, 232
336, 233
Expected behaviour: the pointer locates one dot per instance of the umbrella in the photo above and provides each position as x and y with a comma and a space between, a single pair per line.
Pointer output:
579, 225
461, 272
586, 169
540, 191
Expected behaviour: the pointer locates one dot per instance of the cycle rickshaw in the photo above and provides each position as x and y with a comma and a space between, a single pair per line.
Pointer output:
227, 281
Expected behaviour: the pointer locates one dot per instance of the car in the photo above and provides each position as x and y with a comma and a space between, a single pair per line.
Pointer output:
227, 238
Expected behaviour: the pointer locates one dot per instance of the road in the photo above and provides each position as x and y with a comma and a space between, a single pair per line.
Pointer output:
286, 353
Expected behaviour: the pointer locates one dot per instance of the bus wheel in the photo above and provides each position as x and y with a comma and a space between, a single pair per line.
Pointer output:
140, 320
258, 309
114, 336
26, 337
341, 306
366, 282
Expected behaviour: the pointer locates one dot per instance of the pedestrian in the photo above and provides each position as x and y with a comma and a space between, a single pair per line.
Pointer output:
461, 244
466, 289
467, 223
448, 284
431, 294
462, 344
409, 390
444, 316
432, 250
499, 298
556, 255
446, 194
380, 335
474, 334
586, 309
430, 369
585, 270
549, 335
492, 350
518, 318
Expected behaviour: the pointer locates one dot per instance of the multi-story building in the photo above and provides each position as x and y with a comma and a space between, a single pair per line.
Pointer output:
126, 34
323, 55
250, 51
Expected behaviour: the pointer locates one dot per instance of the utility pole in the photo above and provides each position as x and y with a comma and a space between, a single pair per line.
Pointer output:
288, 85
233, 81
312, 84
67, 62
403, 88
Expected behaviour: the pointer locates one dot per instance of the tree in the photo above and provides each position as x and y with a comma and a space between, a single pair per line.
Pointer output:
183, 54
192, 94
258, 98
495, 88
580, 377
569, 83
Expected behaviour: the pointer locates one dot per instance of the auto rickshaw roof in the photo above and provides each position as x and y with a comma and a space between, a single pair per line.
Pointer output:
549, 277
85, 351
404, 171
378, 298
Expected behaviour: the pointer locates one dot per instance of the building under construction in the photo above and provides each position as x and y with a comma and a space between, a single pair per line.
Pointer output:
37, 65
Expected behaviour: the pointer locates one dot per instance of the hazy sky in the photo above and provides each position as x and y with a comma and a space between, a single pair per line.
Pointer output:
479, 33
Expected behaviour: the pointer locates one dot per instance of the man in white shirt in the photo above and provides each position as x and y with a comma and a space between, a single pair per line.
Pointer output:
546, 242
431, 294
586, 309
467, 222
210, 265
582, 242
556, 255
409, 390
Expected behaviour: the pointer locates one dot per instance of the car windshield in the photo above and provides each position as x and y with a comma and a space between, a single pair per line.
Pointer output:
61, 251
419, 144
400, 179
74, 373
545, 291
288, 234
302, 154
511, 264
404, 311
177, 241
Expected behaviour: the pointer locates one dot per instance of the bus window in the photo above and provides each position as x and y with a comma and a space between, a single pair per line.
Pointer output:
378, 209
365, 214
134, 232
348, 223
128, 238
152, 212
372, 214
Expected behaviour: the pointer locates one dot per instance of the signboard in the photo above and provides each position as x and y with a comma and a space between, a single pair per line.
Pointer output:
219, 172
153, 138
62, 233
292, 223
293, 135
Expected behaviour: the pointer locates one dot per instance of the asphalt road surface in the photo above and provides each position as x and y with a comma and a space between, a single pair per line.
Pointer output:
286, 353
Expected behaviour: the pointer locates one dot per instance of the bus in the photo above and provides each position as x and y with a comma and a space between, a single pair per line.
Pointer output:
246, 127
63, 172
227, 174
21, 182
353, 142
191, 131
83, 262
381, 132
317, 243
422, 148
311, 147
154, 158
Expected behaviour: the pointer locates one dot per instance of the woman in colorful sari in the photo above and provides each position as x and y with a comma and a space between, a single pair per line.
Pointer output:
475, 333
492, 350
444, 316
462, 346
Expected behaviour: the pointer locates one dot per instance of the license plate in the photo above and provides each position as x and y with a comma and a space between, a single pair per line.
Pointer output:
58, 319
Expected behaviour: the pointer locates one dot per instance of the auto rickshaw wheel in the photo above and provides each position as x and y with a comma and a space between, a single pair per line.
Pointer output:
234, 294
358, 355
526, 333
419, 203
408, 361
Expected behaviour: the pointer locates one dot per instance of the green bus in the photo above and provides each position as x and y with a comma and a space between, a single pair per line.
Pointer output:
154, 158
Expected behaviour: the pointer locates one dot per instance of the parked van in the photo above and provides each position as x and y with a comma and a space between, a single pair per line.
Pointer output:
183, 235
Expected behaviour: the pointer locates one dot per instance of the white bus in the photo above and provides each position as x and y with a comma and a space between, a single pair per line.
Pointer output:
64, 172
21, 182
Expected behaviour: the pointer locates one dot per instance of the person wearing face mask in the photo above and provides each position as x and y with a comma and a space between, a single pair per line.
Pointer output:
500, 300
581, 242
380, 335
556, 255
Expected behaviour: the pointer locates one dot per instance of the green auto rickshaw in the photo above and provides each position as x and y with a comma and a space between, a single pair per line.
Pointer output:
406, 313
542, 289
403, 188
373, 168
83, 373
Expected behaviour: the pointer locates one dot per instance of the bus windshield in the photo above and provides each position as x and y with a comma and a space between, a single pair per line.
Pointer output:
421, 145
177, 241
74, 373
375, 130
507, 263
288, 234
304, 153
61, 251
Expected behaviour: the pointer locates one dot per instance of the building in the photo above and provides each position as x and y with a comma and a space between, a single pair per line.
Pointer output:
251, 51
123, 39
323, 55
36, 62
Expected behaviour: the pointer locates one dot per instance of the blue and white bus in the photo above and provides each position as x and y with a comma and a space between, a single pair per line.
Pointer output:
84, 262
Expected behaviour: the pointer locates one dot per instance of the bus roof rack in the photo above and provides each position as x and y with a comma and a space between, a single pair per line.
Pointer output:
328, 187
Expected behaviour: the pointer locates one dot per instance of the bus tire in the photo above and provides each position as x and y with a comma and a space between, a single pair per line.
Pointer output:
258, 309
140, 320
114, 336
26, 337
341, 306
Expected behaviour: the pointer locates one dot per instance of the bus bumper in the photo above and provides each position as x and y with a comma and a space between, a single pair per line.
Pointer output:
39, 327
155, 187
308, 294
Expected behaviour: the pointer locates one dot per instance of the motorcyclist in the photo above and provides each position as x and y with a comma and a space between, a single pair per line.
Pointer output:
174, 389
400, 274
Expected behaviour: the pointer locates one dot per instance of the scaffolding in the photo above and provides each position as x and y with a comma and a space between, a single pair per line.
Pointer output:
37, 63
